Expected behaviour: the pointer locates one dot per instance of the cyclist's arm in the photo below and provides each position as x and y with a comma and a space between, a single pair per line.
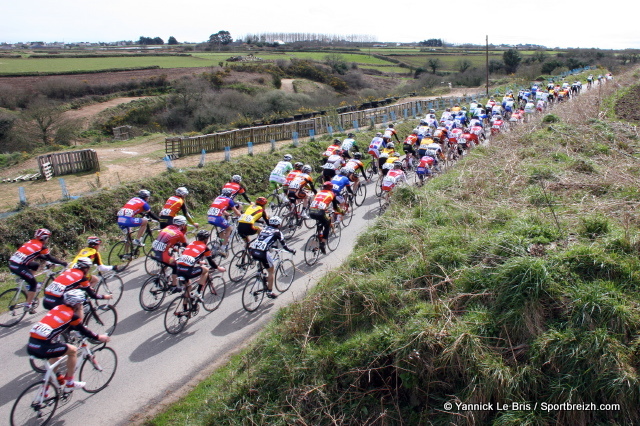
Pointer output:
52, 259
185, 212
152, 215
211, 262
91, 292
76, 324
283, 243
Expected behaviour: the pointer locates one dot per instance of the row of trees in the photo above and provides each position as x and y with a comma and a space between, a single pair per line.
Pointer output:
156, 41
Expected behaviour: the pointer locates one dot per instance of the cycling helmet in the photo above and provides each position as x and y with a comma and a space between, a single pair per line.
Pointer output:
390, 125
414, 131
236, 178
287, 157
337, 141
345, 171
391, 145
306, 169
182, 191
180, 220
74, 297
226, 192
351, 135
93, 241
298, 165
448, 109
83, 263
275, 221
432, 111
144, 194
357, 155
378, 134
261, 201
203, 235
42, 234
327, 185
397, 164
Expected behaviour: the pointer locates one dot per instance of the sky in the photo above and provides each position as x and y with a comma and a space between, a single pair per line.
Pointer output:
567, 23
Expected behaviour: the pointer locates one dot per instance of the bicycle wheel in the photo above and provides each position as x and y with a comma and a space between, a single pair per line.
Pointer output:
289, 226
253, 293
236, 243
239, 265
348, 215
361, 194
37, 364
33, 407
213, 293
120, 254
102, 319
176, 316
112, 285
285, 274
152, 293
98, 370
12, 307
148, 239
152, 266
379, 188
312, 250
334, 237
274, 204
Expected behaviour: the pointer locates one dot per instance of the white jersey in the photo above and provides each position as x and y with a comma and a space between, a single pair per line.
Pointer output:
347, 144
280, 172
529, 107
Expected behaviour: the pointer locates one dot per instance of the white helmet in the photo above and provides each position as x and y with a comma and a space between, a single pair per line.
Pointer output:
83, 263
75, 296
288, 157
182, 191
180, 220
275, 221
306, 169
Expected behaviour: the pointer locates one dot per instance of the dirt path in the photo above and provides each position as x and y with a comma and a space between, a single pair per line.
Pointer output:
287, 85
86, 113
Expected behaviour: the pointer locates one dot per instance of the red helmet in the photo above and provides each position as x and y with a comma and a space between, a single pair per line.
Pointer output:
327, 185
261, 201
42, 233
93, 241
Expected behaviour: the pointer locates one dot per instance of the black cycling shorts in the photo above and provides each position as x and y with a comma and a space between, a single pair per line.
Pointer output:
263, 256
25, 272
45, 349
188, 272
246, 229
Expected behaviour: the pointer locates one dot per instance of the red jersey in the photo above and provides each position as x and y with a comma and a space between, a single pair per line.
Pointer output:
330, 149
29, 251
167, 238
322, 200
235, 187
220, 205
300, 182
411, 139
133, 207
54, 323
68, 280
172, 206
291, 176
193, 253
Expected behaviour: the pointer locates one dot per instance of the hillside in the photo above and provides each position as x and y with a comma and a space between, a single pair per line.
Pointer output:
504, 292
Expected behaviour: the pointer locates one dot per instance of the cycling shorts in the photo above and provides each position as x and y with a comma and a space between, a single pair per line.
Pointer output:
129, 222
219, 221
188, 272
263, 256
423, 171
24, 272
165, 221
247, 229
294, 195
45, 349
408, 149
165, 258
50, 302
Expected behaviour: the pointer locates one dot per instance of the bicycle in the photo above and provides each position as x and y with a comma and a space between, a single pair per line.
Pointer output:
154, 289
38, 402
13, 302
186, 305
276, 201
240, 264
123, 252
312, 246
292, 220
110, 284
234, 242
256, 287
347, 216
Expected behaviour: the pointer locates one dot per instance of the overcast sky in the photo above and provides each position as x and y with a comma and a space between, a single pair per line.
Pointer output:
568, 23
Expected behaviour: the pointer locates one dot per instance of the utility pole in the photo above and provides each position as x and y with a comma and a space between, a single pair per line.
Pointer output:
487, 65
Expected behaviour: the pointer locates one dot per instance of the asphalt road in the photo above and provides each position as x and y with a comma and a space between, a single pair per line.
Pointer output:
153, 365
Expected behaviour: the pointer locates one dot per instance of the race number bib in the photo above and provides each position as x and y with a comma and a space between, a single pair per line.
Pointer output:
165, 212
18, 257
319, 204
56, 289
159, 245
187, 260
126, 212
259, 245
213, 211
42, 330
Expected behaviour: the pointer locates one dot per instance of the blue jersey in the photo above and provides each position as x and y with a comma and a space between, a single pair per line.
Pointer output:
339, 183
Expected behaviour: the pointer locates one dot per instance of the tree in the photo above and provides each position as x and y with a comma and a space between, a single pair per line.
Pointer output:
337, 63
511, 59
221, 38
432, 42
463, 65
44, 120
434, 64
172, 41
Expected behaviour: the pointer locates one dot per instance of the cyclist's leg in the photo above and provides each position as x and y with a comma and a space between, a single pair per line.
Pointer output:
25, 272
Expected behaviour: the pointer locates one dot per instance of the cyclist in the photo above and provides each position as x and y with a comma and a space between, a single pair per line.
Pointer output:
279, 173
336, 159
385, 154
377, 143
389, 133
341, 182
434, 151
44, 340
409, 143
173, 205
297, 169
74, 278
319, 211
298, 187
424, 167
349, 144
24, 261
136, 205
218, 216
247, 222
354, 165
190, 263
394, 177
336, 144
92, 253
388, 165
237, 188
172, 235
259, 249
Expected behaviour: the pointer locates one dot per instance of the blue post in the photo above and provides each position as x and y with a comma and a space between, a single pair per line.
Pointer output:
405, 113
385, 118
250, 147
22, 196
312, 134
294, 136
330, 130
420, 108
373, 122
167, 161
393, 116
227, 153
202, 158
355, 125
63, 186
273, 145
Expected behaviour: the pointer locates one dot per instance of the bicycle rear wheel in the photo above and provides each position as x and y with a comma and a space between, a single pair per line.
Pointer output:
12, 307
35, 405
253, 293
112, 285
152, 266
361, 194
312, 250
334, 237
289, 226
152, 293
120, 254
285, 274
240, 265
379, 188
213, 293
98, 370
176, 316
102, 320
348, 215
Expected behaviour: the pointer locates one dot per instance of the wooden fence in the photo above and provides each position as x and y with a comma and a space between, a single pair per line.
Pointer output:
314, 126
64, 163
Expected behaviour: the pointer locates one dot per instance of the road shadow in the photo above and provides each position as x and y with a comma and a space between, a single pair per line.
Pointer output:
241, 319
132, 322
158, 343
12, 389
23, 325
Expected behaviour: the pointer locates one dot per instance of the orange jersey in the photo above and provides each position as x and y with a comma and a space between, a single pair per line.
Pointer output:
172, 206
291, 176
167, 238
54, 323
322, 200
